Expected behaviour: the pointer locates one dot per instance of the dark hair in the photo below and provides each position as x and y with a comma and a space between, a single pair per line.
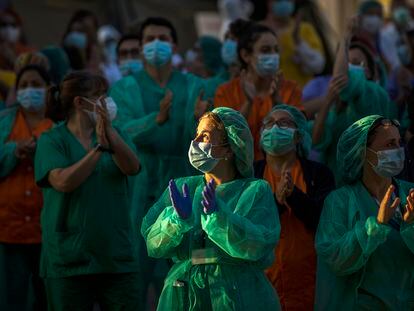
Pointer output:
158, 21
39, 69
238, 27
249, 38
59, 101
127, 37
79, 16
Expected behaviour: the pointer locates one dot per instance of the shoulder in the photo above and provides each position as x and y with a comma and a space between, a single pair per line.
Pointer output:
123, 83
261, 185
341, 195
53, 134
8, 112
191, 181
405, 186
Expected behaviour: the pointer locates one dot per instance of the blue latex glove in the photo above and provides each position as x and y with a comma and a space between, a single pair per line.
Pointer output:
181, 203
209, 198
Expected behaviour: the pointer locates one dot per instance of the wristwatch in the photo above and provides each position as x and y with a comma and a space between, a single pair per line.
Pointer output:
101, 148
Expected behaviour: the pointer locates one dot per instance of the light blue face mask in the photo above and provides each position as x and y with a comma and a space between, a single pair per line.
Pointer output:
278, 141
200, 156
77, 39
130, 66
31, 98
229, 52
267, 64
357, 69
390, 162
157, 53
283, 8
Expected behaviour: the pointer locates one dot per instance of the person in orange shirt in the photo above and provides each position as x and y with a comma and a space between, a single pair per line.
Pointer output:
260, 85
20, 198
300, 187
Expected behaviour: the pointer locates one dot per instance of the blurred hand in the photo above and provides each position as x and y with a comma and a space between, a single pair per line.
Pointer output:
248, 88
25, 148
201, 106
409, 208
353, 26
165, 106
336, 85
276, 86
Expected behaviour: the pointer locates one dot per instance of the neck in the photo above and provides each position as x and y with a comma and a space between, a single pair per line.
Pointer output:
279, 163
33, 117
262, 85
161, 75
376, 185
225, 171
80, 125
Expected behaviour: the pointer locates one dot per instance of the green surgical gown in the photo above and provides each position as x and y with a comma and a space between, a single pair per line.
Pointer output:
91, 229
218, 259
363, 265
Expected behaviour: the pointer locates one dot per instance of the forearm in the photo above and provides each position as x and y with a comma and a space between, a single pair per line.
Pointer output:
70, 178
124, 157
320, 120
246, 108
341, 62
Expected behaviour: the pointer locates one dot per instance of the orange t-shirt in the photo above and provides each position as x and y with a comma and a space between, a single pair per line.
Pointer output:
232, 95
20, 198
293, 272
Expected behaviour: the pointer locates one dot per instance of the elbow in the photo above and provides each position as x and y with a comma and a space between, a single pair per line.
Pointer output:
63, 187
133, 169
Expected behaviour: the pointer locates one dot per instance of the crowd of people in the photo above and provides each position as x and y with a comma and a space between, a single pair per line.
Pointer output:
264, 171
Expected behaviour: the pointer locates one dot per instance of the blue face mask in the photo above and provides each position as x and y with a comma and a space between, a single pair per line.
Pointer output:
390, 162
157, 53
357, 69
278, 141
31, 98
267, 64
130, 66
200, 156
283, 8
77, 39
229, 52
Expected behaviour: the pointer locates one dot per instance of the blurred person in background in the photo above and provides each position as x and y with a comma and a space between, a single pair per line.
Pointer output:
260, 85
108, 38
301, 50
207, 62
129, 55
20, 199
59, 64
80, 41
158, 109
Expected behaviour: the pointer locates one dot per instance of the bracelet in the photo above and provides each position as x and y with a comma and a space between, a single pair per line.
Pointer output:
101, 148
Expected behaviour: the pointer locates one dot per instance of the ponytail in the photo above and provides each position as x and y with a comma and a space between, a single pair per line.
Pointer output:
54, 109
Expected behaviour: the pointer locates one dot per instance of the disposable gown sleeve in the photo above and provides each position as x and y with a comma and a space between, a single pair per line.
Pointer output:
251, 230
346, 249
162, 228
131, 116
407, 233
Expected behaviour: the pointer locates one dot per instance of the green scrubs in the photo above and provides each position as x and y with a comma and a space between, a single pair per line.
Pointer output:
362, 98
90, 230
219, 258
363, 265
8, 160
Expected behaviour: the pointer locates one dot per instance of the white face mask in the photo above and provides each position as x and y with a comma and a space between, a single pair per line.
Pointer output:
390, 162
10, 33
372, 23
110, 106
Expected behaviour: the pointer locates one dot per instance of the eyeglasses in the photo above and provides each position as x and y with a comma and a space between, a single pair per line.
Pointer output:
282, 123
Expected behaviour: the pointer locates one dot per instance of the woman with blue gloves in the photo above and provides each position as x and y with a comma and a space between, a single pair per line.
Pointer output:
365, 241
221, 230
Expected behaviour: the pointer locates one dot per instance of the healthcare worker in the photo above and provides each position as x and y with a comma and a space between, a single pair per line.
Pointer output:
89, 235
129, 54
157, 109
20, 198
301, 49
352, 95
221, 229
208, 62
260, 85
365, 240
300, 187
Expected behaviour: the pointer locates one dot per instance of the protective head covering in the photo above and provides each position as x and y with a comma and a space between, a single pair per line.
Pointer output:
58, 61
352, 147
239, 137
299, 118
366, 5
211, 51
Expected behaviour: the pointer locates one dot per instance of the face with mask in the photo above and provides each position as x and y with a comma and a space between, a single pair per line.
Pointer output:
279, 135
264, 60
283, 8
372, 19
129, 56
92, 103
9, 29
76, 39
31, 91
401, 16
229, 52
358, 61
158, 45
209, 146
384, 153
